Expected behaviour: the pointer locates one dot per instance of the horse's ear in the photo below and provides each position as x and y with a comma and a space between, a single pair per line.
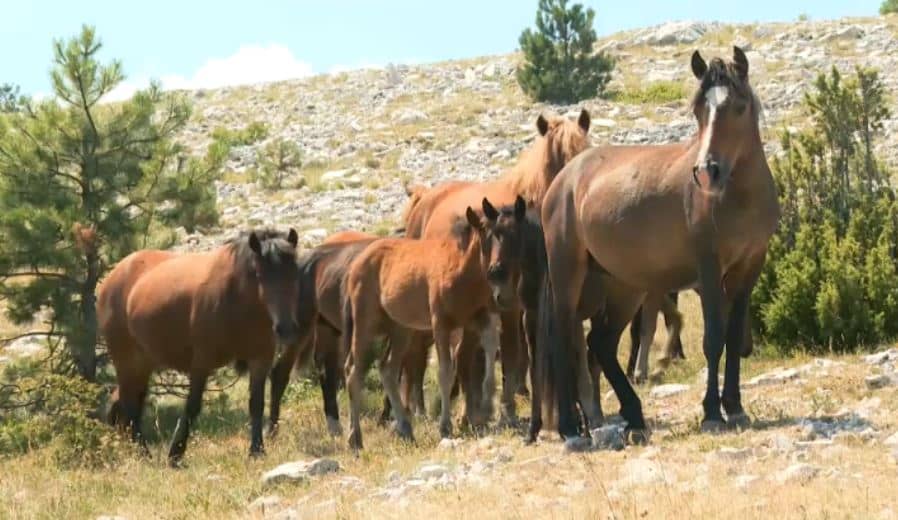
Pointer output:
473, 219
293, 238
489, 211
699, 67
740, 60
254, 243
520, 208
583, 120
542, 125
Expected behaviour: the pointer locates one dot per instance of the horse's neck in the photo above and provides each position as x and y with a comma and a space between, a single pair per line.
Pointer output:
530, 176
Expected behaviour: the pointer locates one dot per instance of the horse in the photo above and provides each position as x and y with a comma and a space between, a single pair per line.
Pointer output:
438, 285
431, 214
623, 221
195, 313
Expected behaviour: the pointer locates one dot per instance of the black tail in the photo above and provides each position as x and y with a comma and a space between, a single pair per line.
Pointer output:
241, 367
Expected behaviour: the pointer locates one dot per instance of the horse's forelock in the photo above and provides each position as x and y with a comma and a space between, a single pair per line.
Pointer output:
723, 73
275, 246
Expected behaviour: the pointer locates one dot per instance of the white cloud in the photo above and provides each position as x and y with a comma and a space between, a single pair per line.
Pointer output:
250, 64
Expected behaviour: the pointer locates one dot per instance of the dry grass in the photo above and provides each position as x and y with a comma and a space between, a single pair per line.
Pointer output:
220, 480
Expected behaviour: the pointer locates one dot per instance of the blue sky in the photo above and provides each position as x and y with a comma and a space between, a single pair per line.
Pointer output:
189, 43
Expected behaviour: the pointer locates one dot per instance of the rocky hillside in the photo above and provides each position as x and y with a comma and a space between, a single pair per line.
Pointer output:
365, 133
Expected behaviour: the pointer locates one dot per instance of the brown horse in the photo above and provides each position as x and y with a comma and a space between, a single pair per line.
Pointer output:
320, 319
431, 214
397, 285
623, 221
195, 313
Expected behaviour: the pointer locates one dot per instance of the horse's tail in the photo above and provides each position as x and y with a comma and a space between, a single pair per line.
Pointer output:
348, 327
241, 366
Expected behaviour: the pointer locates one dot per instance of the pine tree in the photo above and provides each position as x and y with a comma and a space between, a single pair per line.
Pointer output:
888, 7
10, 99
82, 184
560, 63
831, 279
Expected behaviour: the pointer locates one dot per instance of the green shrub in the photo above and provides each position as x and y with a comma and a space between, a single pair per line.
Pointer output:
831, 278
560, 64
250, 134
656, 93
888, 7
277, 160
52, 411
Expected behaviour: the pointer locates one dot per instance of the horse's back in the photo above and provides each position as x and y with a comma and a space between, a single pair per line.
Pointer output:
324, 271
112, 296
448, 208
162, 308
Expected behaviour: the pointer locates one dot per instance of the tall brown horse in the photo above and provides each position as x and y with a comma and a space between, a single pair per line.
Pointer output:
622, 221
398, 285
431, 215
195, 313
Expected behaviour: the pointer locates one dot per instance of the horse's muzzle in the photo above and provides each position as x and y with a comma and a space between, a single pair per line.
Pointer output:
286, 332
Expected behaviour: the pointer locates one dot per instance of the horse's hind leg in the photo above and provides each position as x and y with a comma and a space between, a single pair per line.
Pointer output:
389, 373
414, 367
606, 329
133, 376
258, 373
327, 343
673, 349
191, 410
650, 308
537, 377
635, 328
587, 383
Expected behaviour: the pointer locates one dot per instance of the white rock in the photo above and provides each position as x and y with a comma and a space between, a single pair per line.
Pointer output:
429, 471
892, 440
882, 357
604, 123
640, 472
608, 437
662, 391
731, 454
111, 517
449, 444
877, 381
336, 175
744, 481
300, 470
778, 376
408, 116
799, 472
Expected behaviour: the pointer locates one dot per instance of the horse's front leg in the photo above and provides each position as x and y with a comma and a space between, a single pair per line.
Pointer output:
441, 338
489, 341
712, 299
258, 373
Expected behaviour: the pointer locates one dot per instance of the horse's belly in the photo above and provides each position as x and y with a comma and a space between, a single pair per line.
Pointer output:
640, 249
409, 307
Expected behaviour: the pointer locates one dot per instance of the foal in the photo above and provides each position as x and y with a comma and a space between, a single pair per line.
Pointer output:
399, 285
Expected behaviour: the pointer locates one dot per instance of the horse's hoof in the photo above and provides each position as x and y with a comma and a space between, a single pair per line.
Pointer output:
577, 444
713, 426
355, 440
446, 430
637, 436
176, 461
273, 430
404, 431
738, 421
506, 421
256, 452
334, 427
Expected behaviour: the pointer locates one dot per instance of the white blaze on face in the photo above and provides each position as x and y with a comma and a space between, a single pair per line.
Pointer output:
715, 97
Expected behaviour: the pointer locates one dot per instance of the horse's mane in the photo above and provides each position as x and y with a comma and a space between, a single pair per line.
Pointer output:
538, 164
718, 68
275, 247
